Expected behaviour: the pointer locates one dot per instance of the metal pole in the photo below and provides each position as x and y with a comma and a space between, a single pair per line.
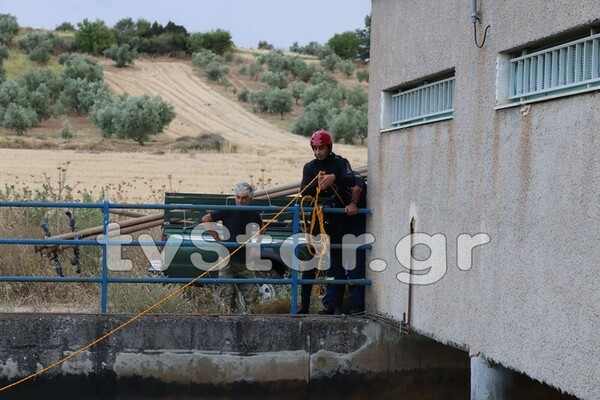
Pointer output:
295, 230
104, 280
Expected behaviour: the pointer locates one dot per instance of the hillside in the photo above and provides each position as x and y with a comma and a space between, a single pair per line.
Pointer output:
263, 153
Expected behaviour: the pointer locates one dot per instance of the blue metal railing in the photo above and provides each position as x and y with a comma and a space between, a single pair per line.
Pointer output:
105, 241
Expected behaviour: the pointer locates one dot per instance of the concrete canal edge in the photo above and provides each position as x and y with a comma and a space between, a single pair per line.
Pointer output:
296, 355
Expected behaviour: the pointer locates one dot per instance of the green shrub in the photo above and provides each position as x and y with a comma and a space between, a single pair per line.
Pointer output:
275, 79
94, 37
356, 97
216, 71
298, 89
81, 95
255, 69
130, 117
346, 45
348, 124
121, 54
275, 60
80, 66
9, 27
280, 101
66, 132
40, 45
203, 57
314, 117
65, 27
330, 62
259, 100
19, 119
243, 95
347, 68
218, 41
362, 75
324, 91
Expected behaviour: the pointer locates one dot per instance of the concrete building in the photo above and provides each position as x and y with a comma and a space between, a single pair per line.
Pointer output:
489, 151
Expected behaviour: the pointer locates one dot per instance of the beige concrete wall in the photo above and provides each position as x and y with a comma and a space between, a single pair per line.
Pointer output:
529, 177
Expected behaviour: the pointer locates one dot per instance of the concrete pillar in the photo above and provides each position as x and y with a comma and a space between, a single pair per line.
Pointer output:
490, 381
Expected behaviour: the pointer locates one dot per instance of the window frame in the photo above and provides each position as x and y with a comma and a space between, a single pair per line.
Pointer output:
427, 100
565, 75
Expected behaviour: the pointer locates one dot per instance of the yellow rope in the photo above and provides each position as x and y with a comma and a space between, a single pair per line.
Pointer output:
152, 307
317, 216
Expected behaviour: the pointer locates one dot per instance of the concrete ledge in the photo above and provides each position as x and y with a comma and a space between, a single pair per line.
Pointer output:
219, 351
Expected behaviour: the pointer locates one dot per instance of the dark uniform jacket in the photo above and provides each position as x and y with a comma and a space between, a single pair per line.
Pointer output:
344, 180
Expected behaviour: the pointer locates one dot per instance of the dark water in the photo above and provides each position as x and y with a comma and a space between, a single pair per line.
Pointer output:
405, 386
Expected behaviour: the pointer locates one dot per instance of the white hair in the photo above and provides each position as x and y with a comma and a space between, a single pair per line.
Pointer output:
245, 188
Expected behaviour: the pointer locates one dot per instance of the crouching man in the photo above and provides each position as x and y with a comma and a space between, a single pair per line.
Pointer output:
235, 222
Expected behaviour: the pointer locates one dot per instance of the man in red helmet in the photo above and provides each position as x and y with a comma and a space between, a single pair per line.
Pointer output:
335, 184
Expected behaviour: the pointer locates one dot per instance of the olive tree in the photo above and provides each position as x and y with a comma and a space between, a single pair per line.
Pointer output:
39, 45
314, 117
216, 71
80, 66
3, 56
3, 53
362, 75
203, 57
275, 79
330, 62
255, 69
275, 60
9, 27
34, 78
356, 97
348, 124
298, 89
80, 95
133, 117
280, 101
333, 92
347, 68
259, 100
121, 54
19, 118
12, 93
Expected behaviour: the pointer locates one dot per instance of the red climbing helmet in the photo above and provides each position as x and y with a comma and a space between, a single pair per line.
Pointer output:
320, 138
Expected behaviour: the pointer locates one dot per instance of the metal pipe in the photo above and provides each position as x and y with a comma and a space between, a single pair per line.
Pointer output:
97, 230
292, 188
475, 15
127, 213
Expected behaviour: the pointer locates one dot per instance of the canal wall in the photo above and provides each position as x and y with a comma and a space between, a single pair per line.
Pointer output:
300, 356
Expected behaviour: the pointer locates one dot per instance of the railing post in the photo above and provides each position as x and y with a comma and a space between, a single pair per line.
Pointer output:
104, 280
295, 230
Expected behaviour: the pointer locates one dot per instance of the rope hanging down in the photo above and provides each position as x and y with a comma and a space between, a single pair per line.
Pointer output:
317, 248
